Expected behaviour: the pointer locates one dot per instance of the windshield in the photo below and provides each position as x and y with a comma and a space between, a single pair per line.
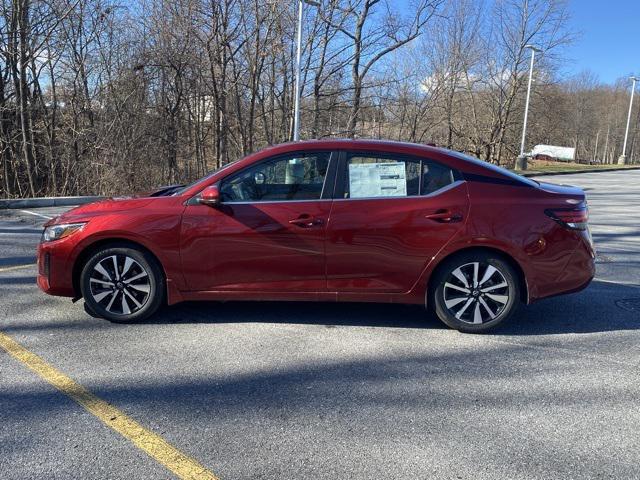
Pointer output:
495, 168
206, 177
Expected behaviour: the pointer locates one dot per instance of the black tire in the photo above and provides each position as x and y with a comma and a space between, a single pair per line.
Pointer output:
131, 294
90, 312
460, 304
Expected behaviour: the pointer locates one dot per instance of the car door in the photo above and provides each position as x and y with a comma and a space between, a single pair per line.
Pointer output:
390, 216
268, 232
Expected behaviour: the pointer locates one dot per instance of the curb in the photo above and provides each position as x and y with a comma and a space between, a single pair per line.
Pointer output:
544, 174
47, 202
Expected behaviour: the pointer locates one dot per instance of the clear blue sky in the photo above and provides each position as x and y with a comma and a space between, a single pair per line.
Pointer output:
609, 43
608, 40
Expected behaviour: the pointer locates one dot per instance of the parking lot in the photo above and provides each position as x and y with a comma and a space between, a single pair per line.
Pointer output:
297, 390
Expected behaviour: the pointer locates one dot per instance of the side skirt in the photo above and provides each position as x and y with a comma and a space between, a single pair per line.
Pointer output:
221, 295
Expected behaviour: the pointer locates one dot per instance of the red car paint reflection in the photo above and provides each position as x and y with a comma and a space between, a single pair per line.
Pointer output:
336, 220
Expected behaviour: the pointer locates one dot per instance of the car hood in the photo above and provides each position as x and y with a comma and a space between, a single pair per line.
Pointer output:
97, 208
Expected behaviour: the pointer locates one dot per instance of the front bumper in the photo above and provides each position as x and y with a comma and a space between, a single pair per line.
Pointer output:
55, 276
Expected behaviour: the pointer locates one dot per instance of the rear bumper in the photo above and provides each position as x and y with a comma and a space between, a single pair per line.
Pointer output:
578, 272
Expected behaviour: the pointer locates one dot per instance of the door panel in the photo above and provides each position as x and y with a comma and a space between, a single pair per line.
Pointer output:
262, 246
269, 231
403, 212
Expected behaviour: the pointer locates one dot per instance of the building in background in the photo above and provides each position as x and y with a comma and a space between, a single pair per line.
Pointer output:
554, 153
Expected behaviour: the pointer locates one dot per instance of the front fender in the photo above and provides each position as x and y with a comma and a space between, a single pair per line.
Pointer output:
157, 232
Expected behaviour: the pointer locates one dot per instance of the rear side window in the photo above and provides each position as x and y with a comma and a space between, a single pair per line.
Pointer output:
372, 176
435, 176
489, 166
290, 177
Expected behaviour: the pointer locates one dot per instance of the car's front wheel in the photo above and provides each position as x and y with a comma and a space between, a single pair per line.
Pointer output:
122, 284
475, 291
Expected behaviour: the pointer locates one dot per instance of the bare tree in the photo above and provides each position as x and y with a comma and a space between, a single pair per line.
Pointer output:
372, 40
98, 96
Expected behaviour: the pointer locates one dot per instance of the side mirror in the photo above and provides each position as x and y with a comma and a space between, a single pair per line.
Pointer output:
210, 196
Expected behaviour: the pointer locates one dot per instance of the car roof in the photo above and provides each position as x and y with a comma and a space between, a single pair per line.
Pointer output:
454, 159
450, 157
350, 143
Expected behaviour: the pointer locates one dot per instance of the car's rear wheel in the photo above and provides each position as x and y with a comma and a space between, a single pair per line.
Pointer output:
475, 291
122, 284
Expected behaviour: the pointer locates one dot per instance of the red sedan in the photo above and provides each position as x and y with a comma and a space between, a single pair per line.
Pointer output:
334, 220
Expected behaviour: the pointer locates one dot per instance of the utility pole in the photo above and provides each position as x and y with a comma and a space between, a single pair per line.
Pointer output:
296, 110
521, 163
605, 156
622, 159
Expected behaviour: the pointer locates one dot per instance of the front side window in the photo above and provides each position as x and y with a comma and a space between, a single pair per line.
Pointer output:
370, 176
291, 177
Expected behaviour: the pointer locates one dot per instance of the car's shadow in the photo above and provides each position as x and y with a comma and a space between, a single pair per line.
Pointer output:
303, 313
602, 307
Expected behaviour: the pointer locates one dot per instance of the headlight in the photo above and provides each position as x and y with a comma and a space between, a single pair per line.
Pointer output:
56, 232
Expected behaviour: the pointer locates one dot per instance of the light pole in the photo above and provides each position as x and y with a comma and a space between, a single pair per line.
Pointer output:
622, 159
296, 109
521, 164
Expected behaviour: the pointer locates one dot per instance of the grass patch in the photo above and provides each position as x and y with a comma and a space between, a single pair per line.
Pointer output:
544, 166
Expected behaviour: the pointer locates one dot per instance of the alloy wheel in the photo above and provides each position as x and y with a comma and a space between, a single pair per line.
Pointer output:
120, 284
476, 292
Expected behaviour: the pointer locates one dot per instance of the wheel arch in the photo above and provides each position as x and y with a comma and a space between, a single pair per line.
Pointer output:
88, 250
522, 279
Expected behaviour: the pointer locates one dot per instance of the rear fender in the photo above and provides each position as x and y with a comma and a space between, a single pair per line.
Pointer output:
420, 289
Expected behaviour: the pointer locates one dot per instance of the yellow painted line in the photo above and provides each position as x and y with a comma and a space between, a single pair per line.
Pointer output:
16, 267
155, 446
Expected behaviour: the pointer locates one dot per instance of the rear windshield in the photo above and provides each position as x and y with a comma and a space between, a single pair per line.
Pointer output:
502, 171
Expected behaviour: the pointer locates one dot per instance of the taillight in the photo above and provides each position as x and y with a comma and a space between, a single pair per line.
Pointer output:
574, 218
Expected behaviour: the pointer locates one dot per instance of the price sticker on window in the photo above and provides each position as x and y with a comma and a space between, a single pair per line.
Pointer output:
377, 180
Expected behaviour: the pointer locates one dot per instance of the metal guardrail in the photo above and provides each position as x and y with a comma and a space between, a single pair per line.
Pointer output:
47, 202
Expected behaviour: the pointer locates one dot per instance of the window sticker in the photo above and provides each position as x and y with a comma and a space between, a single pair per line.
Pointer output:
377, 180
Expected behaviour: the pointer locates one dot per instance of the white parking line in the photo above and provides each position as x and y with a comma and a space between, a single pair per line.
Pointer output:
626, 284
16, 267
37, 214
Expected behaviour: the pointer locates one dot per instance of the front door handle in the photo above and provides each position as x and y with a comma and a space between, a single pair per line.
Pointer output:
306, 221
444, 216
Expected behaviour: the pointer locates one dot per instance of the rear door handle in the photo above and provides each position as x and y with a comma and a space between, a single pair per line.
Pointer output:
444, 216
306, 221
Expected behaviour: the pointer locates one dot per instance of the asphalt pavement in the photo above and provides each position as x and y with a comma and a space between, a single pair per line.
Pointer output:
358, 391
